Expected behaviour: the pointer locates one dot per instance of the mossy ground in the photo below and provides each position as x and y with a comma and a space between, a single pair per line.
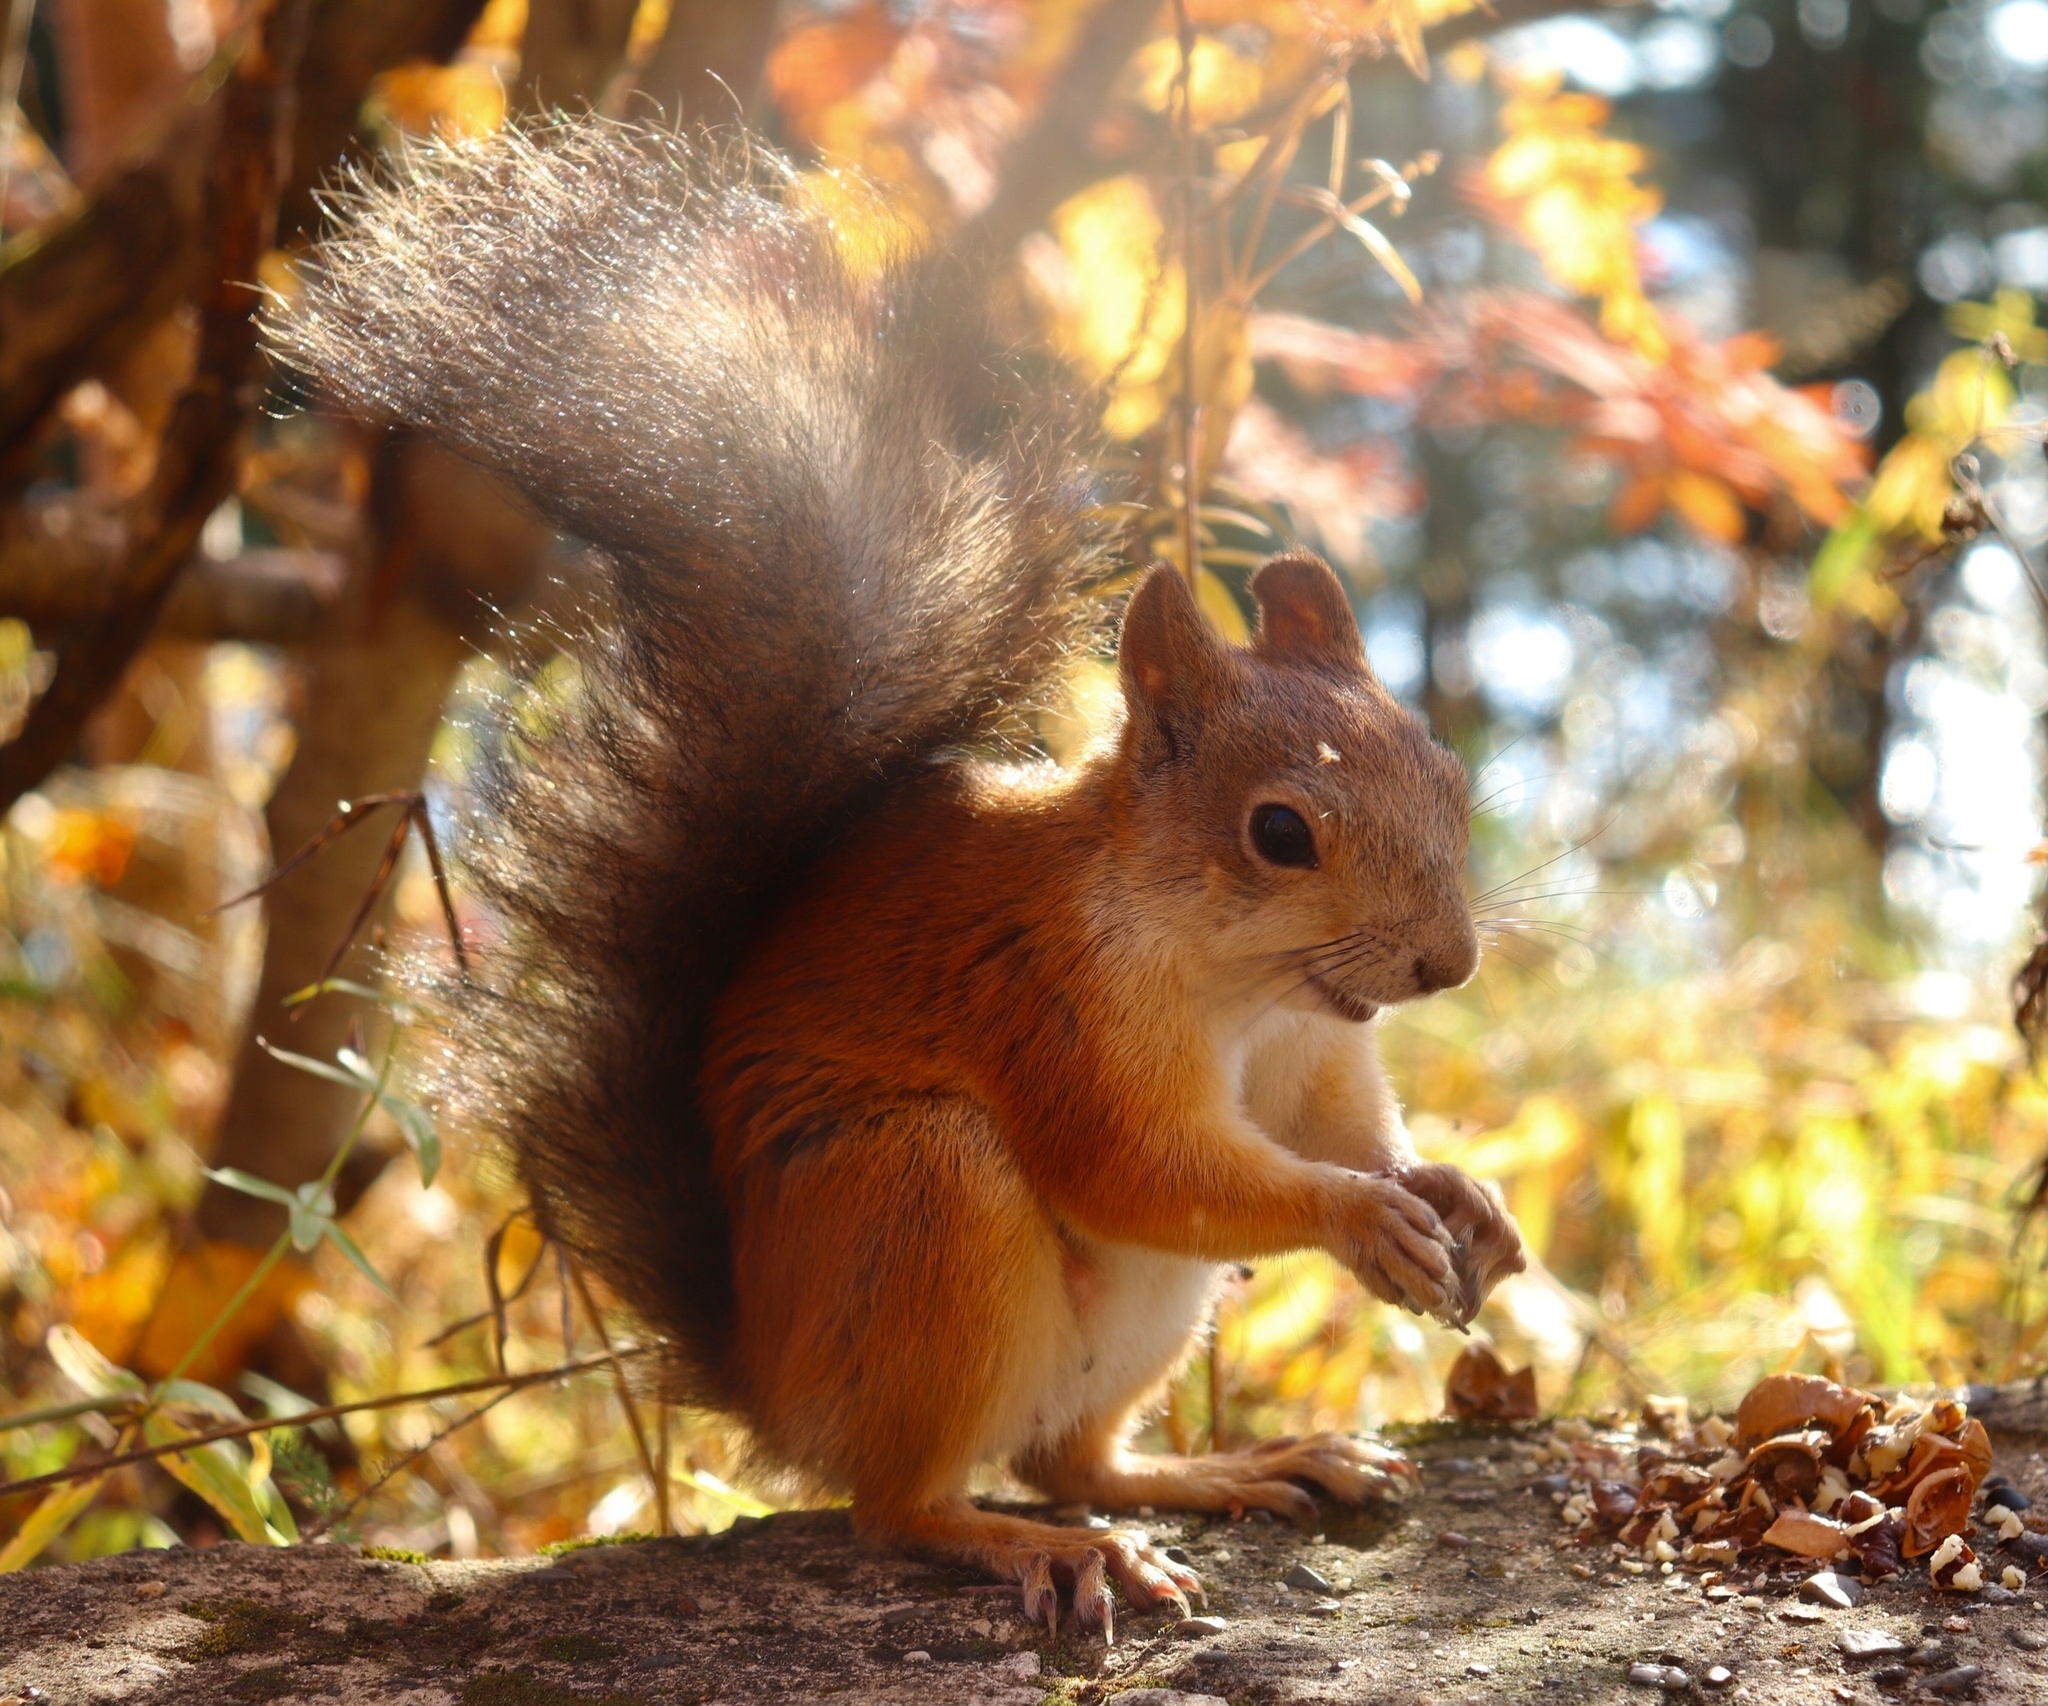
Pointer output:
1458, 1595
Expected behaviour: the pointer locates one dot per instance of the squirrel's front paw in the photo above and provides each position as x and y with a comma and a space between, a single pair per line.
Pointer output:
1396, 1243
1487, 1242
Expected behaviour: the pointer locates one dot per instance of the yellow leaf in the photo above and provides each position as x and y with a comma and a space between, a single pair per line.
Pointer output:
1220, 605
59, 1509
1223, 83
82, 1364
1386, 254
218, 1474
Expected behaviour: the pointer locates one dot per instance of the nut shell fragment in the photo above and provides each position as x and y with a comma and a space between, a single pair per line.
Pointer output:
1807, 1535
1938, 1508
1786, 1403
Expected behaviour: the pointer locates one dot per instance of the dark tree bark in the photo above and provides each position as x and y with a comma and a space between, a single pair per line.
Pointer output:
196, 463
709, 62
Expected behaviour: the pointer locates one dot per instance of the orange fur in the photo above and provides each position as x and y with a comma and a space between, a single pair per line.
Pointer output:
910, 1103
1030, 1052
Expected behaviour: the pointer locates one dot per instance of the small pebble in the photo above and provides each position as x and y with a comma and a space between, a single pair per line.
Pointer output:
917, 1656
1718, 1676
1802, 1614
1168, 1697
1212, 1656
1831, 1588
1721, 1595
2029, 1640
1868, 1643
896, 1616
1197, 1628
1668, 1677
1961, 1680
1451, 1537
1325, 1607
1023, 1666
149, 1590
1956, 1625
1478, 1670
1309, 1581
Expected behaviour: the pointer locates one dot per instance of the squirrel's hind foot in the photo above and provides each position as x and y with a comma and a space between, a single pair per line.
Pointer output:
1273, 1475
1043, 1557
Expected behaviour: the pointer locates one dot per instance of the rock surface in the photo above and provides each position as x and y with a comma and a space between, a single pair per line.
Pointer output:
1456, 1596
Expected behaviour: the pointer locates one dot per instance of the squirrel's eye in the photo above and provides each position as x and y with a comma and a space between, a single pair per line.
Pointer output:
1282, 836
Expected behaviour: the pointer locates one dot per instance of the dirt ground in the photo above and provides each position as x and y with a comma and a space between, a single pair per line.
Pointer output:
1458, 1595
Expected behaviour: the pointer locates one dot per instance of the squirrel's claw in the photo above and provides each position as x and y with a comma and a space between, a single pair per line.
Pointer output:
1093, 1607
1041, 1598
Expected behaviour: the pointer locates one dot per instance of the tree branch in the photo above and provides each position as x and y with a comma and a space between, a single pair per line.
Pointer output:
62, 565
351, 41
196, 462
73, 298
1056, 156
708, 64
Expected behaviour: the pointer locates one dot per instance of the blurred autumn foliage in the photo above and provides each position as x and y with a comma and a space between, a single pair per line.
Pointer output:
1685, 468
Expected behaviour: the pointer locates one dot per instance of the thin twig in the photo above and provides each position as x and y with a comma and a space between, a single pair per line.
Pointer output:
656, 1480
303, 1418
349, 813
1190, 423
392, 1471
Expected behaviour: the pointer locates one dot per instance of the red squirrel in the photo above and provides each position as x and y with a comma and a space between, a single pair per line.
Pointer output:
910, 1093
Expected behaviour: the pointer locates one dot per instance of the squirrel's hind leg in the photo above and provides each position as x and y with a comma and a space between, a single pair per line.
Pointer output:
902, 1310
1041, 1558
1093, 1466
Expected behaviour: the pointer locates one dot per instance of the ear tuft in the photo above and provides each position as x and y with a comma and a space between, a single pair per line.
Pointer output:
1304, 616
1167, 656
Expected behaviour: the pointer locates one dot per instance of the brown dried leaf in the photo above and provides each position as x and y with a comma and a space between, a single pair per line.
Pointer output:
1479, 1388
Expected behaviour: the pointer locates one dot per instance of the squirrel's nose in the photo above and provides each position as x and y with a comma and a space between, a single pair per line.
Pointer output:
1433, 974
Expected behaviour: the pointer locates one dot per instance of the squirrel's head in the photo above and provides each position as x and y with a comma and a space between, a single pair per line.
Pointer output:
1305, 833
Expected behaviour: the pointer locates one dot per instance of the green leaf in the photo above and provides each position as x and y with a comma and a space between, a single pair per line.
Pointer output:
197, 1396
60, 1508
250, 1186
349, 1248
308, 1227
84, 1366
218, 1473
336, 986
420, 1136
321, 1068
1386, 254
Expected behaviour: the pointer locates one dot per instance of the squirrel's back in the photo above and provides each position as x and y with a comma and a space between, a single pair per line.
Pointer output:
839, 529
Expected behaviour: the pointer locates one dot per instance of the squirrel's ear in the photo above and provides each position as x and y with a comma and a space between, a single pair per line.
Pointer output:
1304, 617
1168, 657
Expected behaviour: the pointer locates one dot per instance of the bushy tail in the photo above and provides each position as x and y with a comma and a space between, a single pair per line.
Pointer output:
840, 531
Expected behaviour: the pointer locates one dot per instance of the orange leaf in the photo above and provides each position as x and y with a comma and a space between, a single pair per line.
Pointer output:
1709, 504
1637, 504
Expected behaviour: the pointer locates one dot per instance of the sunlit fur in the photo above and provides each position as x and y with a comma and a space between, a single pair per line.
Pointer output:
911, 1102
1032, 1054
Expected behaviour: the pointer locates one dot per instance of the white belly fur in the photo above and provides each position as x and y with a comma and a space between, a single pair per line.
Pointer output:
1131, 1323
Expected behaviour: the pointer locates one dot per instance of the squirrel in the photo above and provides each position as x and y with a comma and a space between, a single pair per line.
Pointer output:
915, 1097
